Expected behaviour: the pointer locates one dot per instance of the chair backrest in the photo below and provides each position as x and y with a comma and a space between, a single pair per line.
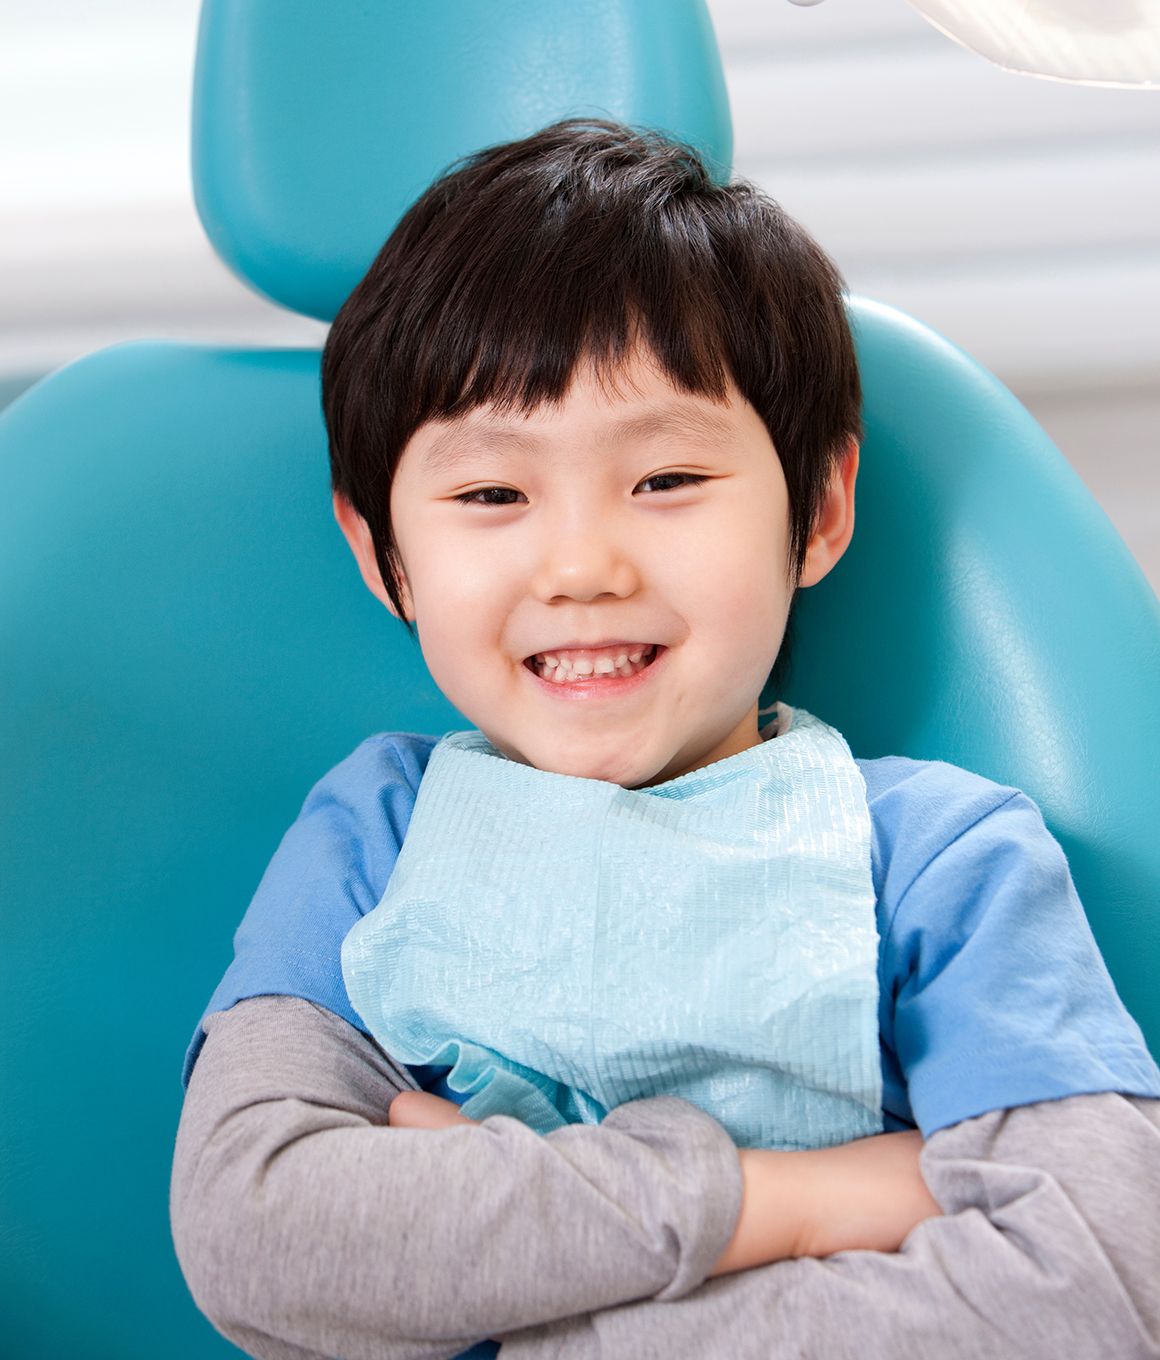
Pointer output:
185, 645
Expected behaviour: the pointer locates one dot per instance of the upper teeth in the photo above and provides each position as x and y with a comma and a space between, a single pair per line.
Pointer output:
559, 666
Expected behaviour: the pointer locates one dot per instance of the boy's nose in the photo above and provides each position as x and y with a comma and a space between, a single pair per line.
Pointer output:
582, 566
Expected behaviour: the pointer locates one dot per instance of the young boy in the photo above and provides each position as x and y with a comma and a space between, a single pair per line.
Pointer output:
593, 421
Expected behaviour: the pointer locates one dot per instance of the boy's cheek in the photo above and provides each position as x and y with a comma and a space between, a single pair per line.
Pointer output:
468, 665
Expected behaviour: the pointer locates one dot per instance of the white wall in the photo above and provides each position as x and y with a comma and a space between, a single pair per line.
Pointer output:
1018, 216
99, 240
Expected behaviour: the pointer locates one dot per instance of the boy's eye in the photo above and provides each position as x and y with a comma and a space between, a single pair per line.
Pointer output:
492, 495
670, 481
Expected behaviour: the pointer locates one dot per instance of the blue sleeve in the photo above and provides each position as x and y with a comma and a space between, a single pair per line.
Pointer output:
993, 990
331, 868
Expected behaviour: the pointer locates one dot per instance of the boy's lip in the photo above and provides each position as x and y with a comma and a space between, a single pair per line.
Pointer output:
592, 665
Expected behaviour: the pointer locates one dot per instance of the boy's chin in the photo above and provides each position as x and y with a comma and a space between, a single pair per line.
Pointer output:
611, 763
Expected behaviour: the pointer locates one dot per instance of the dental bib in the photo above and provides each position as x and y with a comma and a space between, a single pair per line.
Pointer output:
565, 945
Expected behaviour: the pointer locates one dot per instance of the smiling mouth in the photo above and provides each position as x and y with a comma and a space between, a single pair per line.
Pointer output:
571, 665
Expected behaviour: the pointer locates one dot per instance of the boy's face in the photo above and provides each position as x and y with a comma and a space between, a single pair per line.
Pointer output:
601, 586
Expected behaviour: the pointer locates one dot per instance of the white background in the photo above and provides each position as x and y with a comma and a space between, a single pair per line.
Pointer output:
1020, 217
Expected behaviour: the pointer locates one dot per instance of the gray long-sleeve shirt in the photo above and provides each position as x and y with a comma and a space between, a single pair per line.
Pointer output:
307, 1227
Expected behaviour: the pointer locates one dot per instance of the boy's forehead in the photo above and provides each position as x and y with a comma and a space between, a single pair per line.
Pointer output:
635, 405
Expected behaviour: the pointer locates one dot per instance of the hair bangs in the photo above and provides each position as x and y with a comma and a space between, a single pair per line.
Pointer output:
509, 314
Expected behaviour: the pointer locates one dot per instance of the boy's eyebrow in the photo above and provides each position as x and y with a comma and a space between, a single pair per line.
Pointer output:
695, 420
457, 443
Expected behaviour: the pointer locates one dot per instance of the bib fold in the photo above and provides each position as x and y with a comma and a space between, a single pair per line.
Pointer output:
565, 945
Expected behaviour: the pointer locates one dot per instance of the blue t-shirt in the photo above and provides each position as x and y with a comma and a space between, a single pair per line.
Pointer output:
992, 992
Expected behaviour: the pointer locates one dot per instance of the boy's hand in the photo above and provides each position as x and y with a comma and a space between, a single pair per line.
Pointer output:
864, 1196
421, 1110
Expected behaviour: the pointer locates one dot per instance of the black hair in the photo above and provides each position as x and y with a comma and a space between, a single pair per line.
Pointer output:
575, 245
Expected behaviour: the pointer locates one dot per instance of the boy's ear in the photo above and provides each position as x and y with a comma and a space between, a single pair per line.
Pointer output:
835, 523
358, 535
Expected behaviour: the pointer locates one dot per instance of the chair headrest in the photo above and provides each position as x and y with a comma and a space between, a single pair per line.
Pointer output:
316, 125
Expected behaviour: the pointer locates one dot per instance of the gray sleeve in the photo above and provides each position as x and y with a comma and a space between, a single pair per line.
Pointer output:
1050, 1251
307, 1227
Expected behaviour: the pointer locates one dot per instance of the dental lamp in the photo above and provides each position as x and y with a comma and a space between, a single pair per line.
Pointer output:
1087, 42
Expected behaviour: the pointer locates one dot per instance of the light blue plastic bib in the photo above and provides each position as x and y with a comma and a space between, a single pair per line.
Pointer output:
567, 945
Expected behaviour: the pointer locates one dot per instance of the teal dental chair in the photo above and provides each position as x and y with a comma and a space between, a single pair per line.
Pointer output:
185, 644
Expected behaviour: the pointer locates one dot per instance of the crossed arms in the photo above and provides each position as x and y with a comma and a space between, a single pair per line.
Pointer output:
309, 1227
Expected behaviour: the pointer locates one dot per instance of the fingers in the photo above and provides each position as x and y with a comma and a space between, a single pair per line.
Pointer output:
421, 1110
